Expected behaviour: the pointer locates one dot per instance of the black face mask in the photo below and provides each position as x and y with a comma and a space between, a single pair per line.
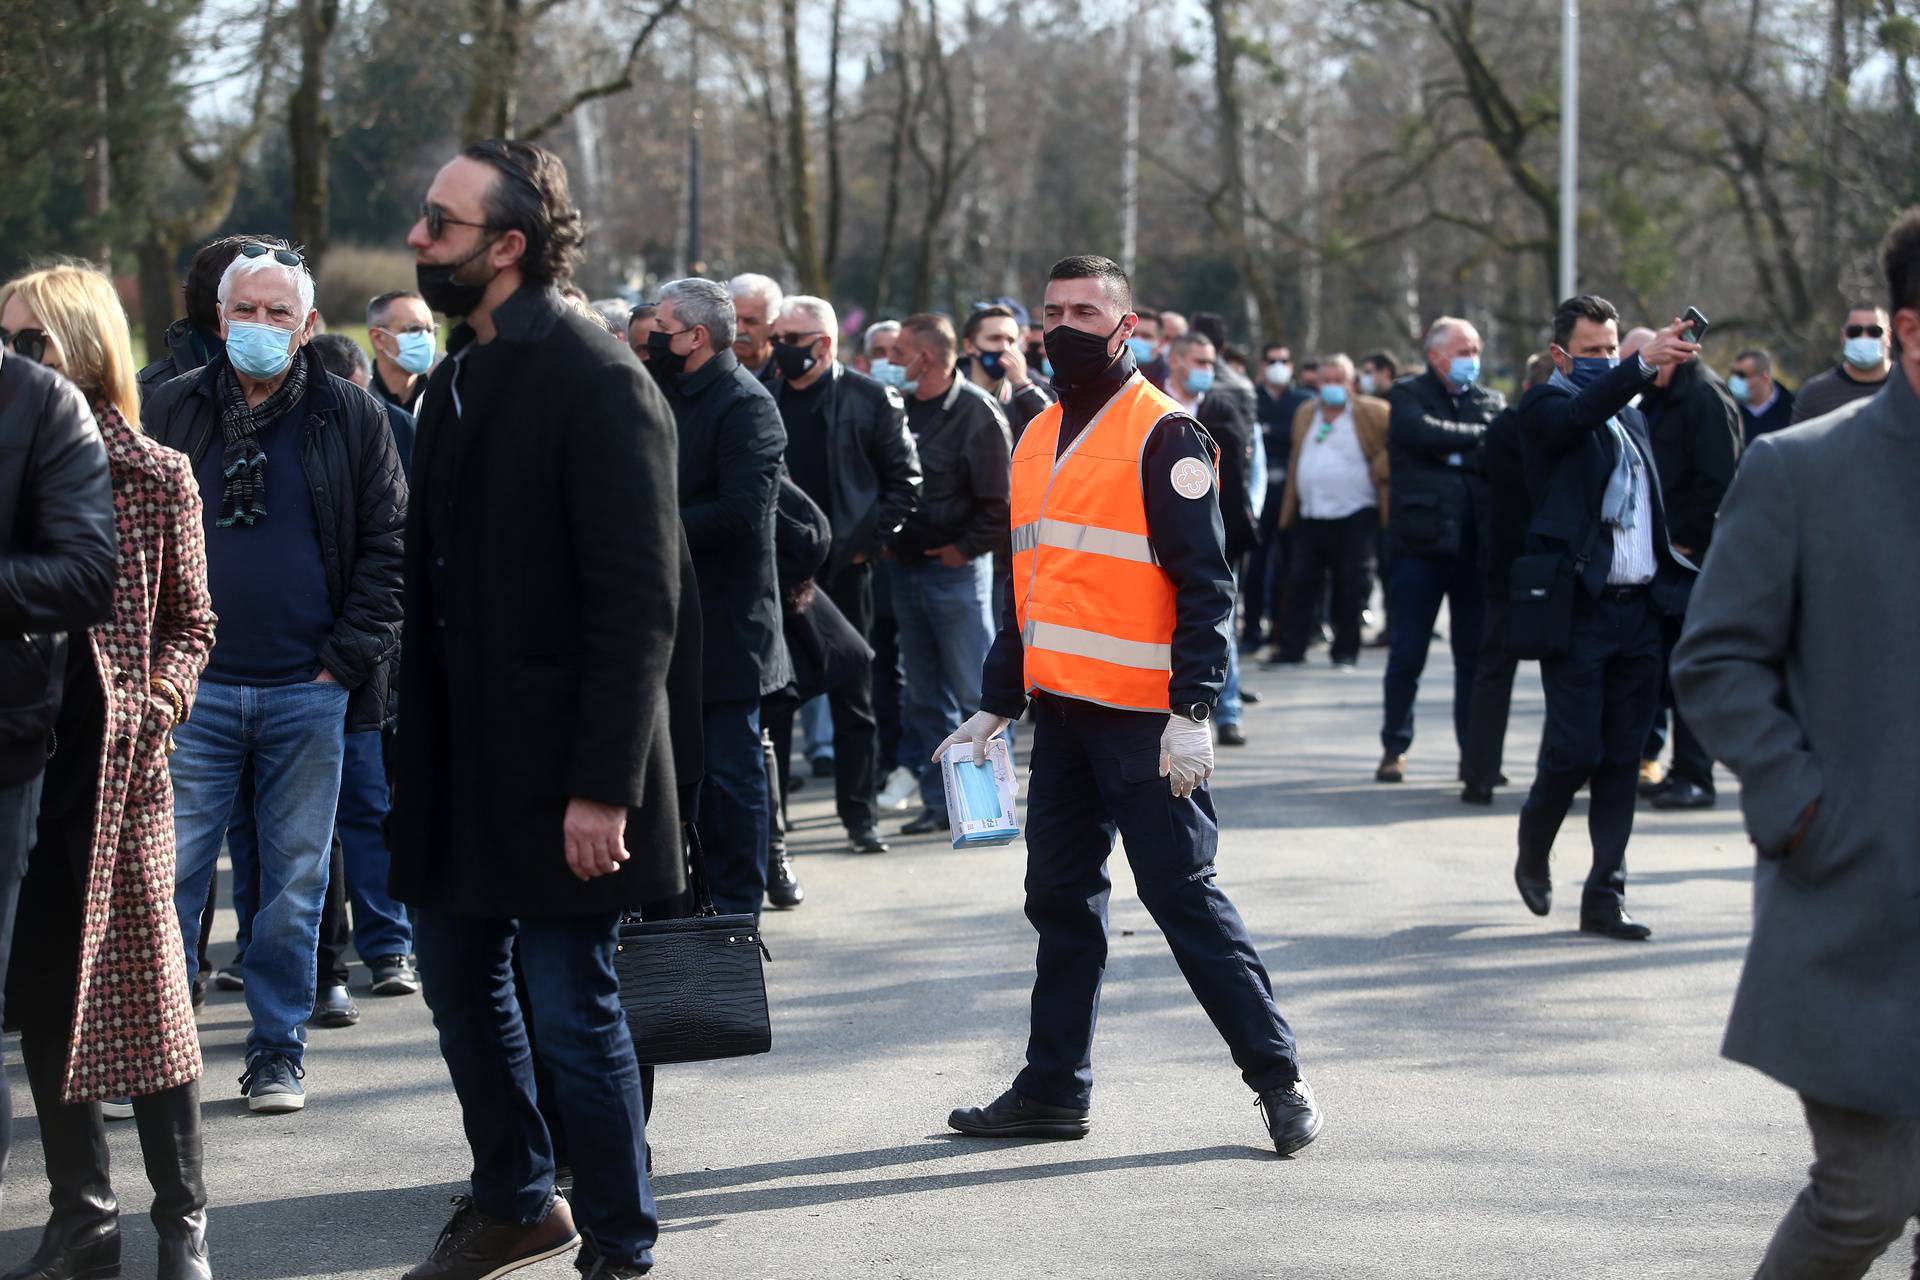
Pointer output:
444, 292
1079, 357
793, 361
662, 360
994, 364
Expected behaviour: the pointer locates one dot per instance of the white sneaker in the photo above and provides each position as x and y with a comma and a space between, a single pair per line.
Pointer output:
116, 1108
901, 790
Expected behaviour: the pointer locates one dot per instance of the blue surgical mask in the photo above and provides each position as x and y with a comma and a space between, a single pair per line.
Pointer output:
1334, 395
1199, 381
1046, 368
1864, 352
889, 374
416, 351
1464, 371
1737, 388
1588, 370
260, 351
1141, 348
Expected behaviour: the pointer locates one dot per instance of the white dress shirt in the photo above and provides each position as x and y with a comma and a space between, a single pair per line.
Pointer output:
1335, 480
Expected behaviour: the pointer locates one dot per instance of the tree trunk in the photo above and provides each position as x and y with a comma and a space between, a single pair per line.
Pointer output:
799, 202
835, 191
896, 154
493, 101
309, 131
1232, 209
159, 290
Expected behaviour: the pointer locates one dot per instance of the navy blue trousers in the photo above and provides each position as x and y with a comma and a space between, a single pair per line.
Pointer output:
1096, 773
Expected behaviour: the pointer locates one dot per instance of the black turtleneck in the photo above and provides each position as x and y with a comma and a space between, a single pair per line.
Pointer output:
1189, 541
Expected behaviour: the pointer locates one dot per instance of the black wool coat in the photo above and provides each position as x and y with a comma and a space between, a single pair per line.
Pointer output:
543, 577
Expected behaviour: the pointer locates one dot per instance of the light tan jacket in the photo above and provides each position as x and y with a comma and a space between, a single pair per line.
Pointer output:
1369, 425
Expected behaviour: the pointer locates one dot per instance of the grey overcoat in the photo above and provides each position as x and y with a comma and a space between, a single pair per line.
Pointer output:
1797, 669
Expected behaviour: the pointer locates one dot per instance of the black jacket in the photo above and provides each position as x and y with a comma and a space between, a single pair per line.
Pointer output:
1509, 509
967, 459
1696, 444
1569, 454
1188, 541
187, 349
60, 554
1433, 455
1779, 415
827, 652
873, 472
542, 591
353, 470
731, 444
1227, 418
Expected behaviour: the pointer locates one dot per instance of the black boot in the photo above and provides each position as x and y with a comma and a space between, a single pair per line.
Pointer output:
82, 1238
169, 1125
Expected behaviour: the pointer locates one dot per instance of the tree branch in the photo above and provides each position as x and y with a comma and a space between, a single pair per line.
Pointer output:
606, 89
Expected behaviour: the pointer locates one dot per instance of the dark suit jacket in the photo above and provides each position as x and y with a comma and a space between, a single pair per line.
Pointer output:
731, 445
1793, 669
1570, 453
1509, 509
542, 580
1227, 420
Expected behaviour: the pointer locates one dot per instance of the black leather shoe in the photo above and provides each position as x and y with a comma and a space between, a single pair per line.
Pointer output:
1231, 735
1293, 1117
335, 1007
1460, 775
1536, 889
866, 840
784, 889
1250, 696
1682, 794
1476, 795
1614, 922
926, 824
1012, 1116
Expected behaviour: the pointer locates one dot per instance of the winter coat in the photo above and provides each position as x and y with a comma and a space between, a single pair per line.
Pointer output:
873, 473
1696, 447
827, 652
133, 1029
1433, 452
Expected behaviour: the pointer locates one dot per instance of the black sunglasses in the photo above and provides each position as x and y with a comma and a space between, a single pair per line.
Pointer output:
1867, 330
31, 343
437, 221
285, 257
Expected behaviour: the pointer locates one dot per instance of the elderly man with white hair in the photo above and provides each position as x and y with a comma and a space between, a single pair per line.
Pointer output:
304, 505
849, 450
756, 305
876, 344
1434, 506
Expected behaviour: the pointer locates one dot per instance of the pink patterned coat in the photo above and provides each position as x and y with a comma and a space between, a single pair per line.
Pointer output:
133, 1029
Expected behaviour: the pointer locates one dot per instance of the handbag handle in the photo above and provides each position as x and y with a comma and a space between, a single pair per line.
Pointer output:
697, 882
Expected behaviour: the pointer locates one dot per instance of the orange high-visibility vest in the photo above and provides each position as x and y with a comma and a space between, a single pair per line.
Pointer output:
1096, 610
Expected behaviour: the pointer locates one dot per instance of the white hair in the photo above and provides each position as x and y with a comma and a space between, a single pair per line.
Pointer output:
242, 266
884, 329
752, 285
818, 310
1341, 361
1441, 331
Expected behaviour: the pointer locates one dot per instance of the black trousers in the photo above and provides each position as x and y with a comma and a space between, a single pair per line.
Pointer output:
1096, 773
1691, 761
1601, 697
1256, 589
1492, 700
856, 757
1338, 550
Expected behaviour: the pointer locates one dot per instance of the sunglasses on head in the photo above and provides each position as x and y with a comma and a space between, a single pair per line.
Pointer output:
437, 221
285, 257
31, 343
1865, 330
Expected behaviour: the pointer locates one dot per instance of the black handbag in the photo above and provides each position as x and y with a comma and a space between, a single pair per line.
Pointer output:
693, 989
1540, 600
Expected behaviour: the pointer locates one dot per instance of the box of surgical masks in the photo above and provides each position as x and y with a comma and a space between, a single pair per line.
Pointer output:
980, 805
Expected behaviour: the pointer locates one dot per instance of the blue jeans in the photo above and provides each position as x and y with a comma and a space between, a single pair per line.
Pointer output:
816, 729
1230, 708
946, 627
293, 737
1415, 587
19, 811
735, 807
466, 968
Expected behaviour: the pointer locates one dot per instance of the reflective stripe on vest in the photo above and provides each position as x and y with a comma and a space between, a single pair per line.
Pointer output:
1096, 610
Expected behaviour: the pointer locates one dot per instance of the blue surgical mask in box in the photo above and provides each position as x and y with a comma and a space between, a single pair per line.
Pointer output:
980, 804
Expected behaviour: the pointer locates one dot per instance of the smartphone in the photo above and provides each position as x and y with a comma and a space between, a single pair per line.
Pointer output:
1697, 324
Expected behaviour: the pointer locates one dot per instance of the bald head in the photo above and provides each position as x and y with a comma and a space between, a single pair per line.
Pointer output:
1635, 339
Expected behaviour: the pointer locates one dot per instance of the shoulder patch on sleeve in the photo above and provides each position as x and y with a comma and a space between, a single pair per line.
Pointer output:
1192, 478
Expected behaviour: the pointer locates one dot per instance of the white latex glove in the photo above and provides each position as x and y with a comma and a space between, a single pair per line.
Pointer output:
1186, 753
981, 728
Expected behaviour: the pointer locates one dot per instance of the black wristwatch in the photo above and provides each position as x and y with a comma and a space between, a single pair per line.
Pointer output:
1199, 712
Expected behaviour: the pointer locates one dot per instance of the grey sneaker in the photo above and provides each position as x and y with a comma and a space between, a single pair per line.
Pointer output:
393, 976
272, 1084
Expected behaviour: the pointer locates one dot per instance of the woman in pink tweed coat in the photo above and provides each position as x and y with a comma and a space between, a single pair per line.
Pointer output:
104, 1011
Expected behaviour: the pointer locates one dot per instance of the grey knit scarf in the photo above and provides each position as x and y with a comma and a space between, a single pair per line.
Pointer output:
243, 463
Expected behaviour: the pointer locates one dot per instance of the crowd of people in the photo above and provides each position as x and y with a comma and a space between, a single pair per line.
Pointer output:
448, 647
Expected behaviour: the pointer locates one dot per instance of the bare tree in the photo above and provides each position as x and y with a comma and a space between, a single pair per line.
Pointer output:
309, 131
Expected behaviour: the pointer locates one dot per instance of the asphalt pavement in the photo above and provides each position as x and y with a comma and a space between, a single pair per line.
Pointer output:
1504, 1096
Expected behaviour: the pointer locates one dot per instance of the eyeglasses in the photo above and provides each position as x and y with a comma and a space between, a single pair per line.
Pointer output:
406, 329
437, 221
1865, 330
799, 339
31, 343
285, 257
